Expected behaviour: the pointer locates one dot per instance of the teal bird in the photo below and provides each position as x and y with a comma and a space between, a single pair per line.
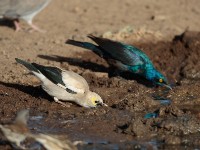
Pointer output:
125, 57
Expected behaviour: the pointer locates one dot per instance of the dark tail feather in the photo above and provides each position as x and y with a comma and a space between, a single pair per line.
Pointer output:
85, 45
91, 36
94, 38
99, 40
27, 65
75, 43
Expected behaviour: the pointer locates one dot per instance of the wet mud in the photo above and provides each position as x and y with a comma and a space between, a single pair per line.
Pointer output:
139, 115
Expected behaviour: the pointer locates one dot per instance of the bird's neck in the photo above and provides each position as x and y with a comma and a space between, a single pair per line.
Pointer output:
150, 73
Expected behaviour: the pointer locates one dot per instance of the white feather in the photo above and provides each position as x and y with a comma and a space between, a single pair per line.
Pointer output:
74, 82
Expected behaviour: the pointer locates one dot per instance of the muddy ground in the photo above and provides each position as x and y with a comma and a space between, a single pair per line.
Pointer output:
139, 115
123, 123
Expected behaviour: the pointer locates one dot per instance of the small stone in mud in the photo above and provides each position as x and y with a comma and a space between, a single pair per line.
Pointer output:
172, 140
134, 102
182, 125
167, 110
137, 128
101, 74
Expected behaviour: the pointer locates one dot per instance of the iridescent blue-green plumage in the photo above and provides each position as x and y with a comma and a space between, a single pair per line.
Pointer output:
125, 57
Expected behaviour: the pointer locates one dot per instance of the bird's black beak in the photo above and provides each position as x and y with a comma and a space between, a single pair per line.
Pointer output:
101, 104
167, 86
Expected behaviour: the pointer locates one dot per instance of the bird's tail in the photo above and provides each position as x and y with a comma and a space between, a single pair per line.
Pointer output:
85, 45
96, 49
27, 65
93, 37
33, 68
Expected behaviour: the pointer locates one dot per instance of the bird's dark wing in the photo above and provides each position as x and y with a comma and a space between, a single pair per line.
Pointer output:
127, 54
89, 46
54, 74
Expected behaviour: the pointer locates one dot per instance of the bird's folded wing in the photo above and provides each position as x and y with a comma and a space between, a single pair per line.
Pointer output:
127, 54
75, 82
72, 82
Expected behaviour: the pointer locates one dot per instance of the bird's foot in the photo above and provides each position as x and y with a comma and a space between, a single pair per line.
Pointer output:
62, 104
17, 26
36, 28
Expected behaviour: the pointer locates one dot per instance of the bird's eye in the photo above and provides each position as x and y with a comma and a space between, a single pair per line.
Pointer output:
94, 100
160, 80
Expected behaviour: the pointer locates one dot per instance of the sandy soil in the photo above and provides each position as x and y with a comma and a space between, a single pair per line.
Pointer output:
152, 26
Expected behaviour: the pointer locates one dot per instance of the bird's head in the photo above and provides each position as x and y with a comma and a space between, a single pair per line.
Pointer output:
93, 100
160, 80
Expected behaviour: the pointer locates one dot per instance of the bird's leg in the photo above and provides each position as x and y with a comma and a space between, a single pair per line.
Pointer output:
118, 73
17, 27
115, 72
36, 28
62, 104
